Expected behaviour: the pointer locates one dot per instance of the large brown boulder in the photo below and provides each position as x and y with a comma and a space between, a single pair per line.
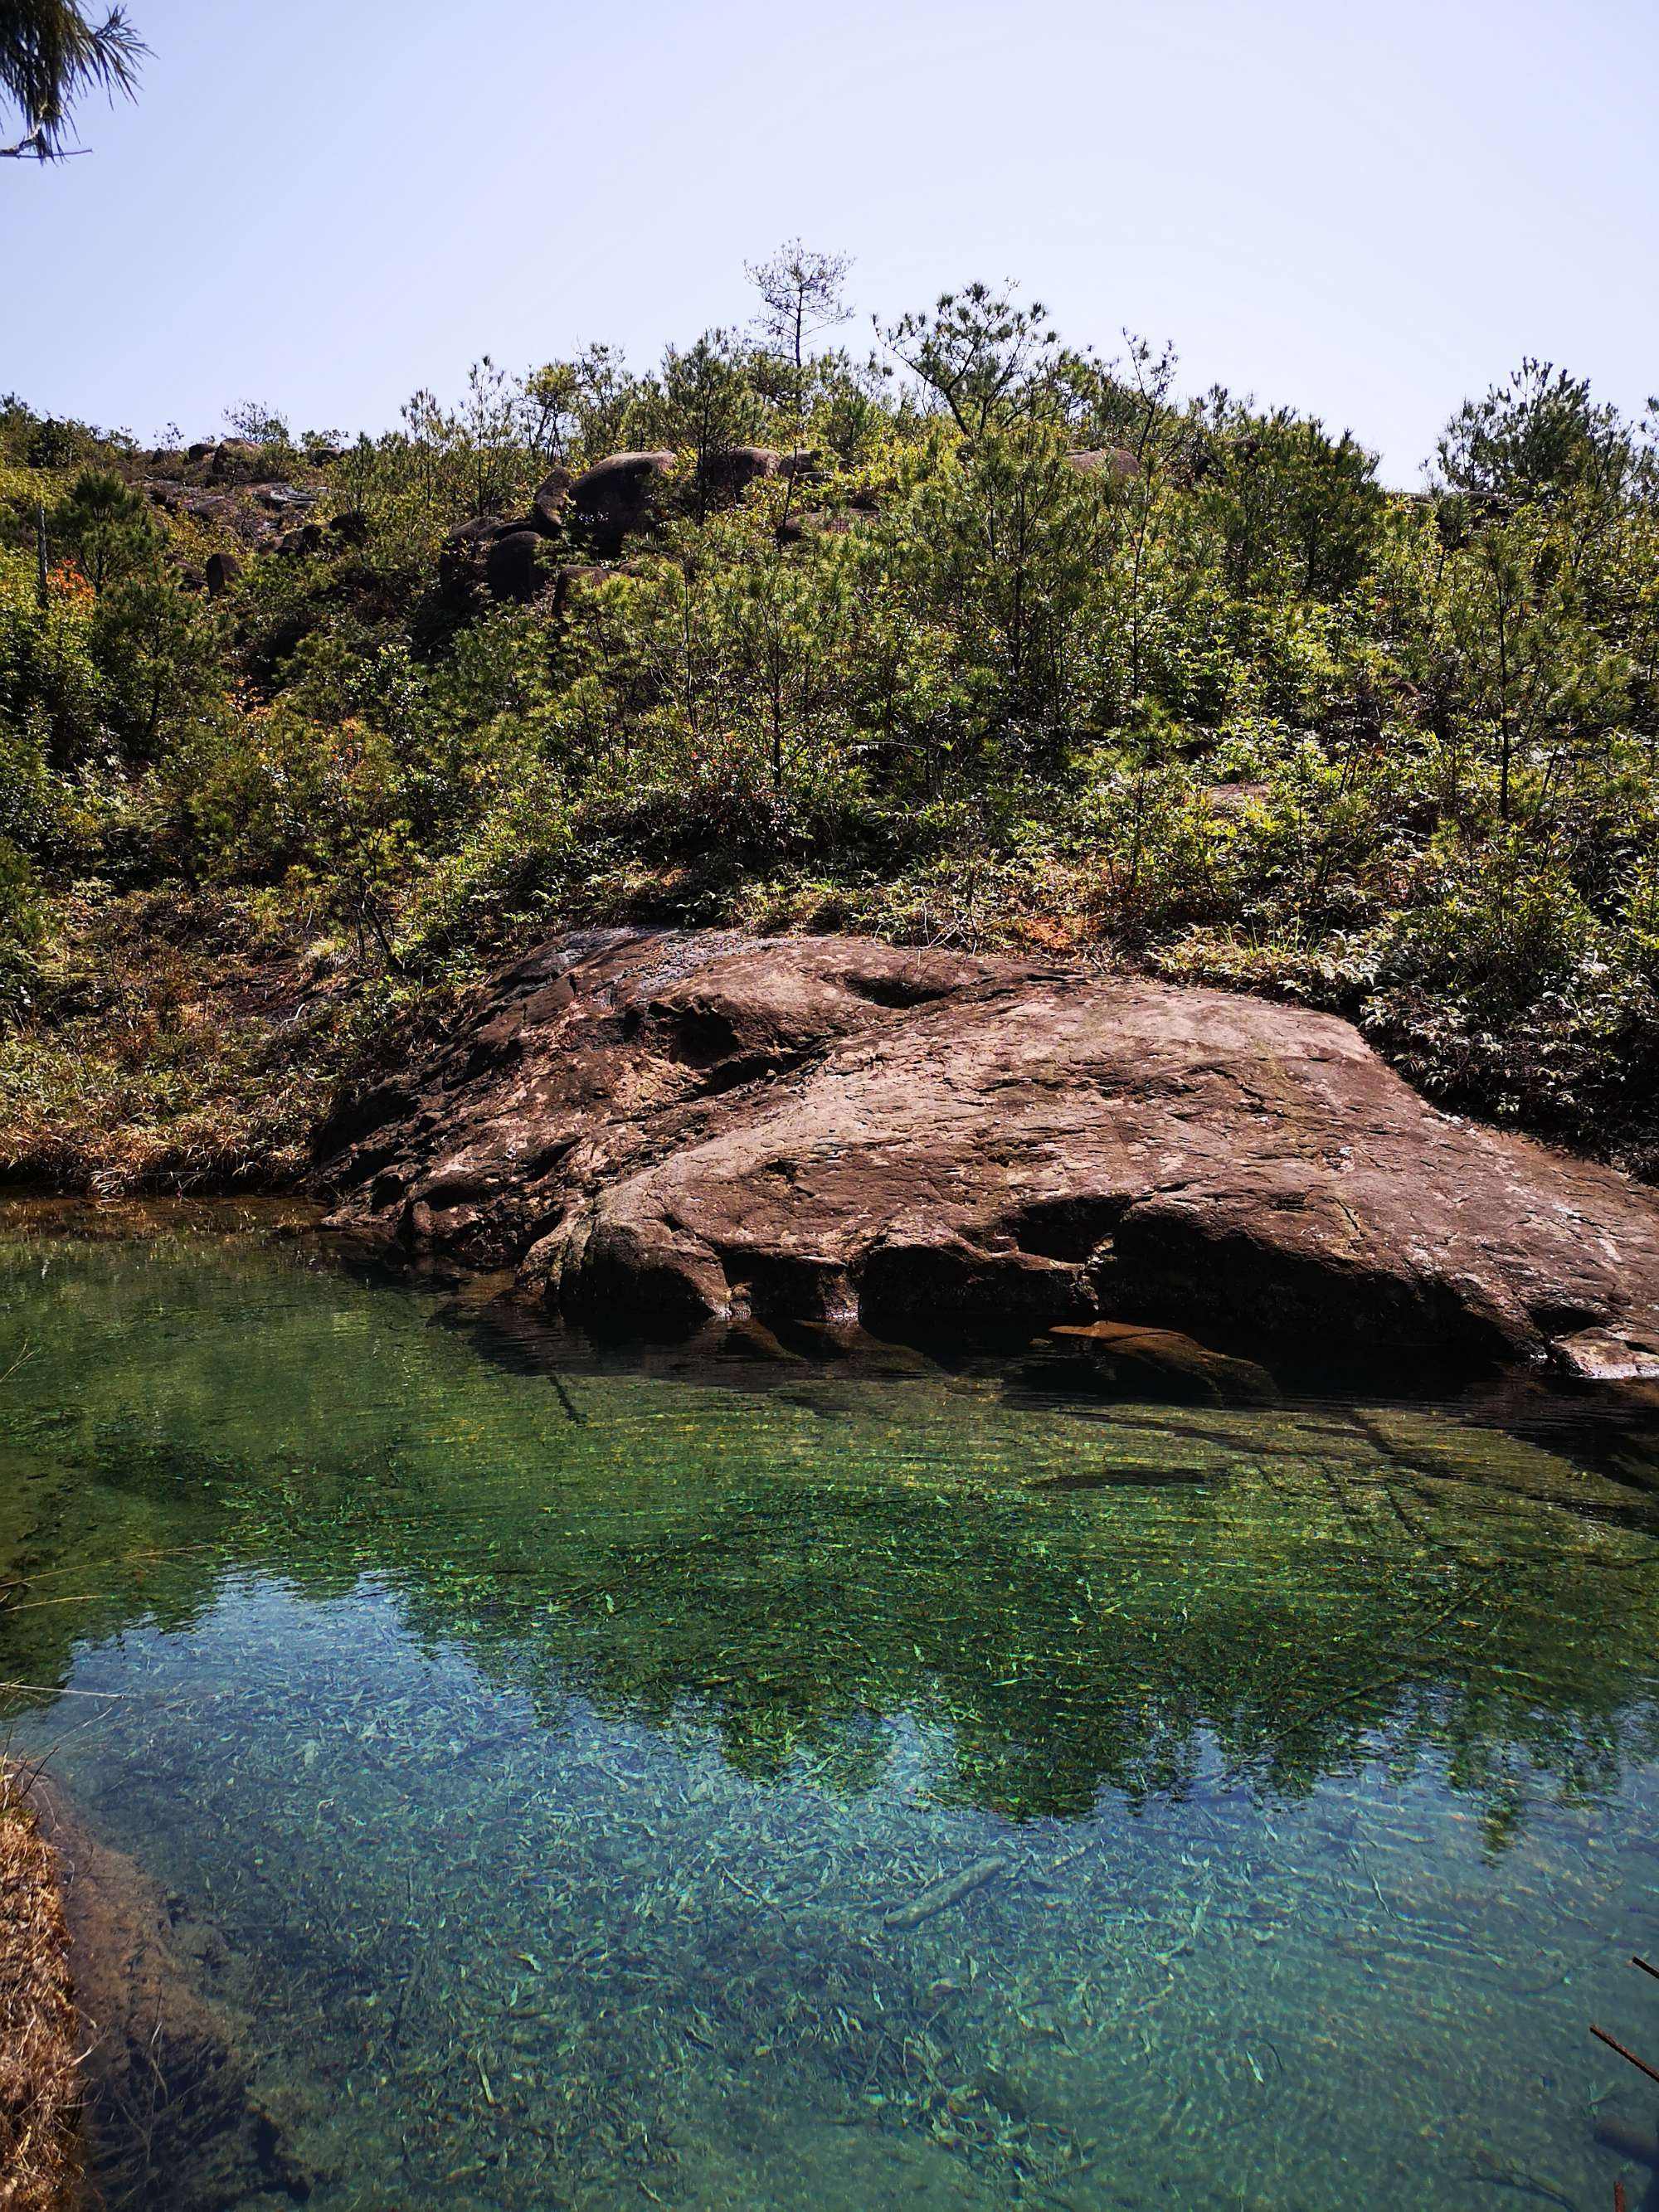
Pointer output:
725, 473
575, 575
1116, 463
618, 497
657, 1130
463, 556
238, 461
549, 507
816, 522
513, 568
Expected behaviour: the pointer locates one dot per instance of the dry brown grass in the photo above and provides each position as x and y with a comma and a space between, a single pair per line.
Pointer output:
40, 2078
157, 1062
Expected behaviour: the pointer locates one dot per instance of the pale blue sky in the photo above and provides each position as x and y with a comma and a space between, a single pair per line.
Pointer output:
1367, 212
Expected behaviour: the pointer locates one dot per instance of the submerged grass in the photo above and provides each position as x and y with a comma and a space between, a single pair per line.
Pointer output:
623, 1790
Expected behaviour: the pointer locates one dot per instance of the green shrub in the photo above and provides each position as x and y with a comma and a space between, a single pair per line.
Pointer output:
1504, 929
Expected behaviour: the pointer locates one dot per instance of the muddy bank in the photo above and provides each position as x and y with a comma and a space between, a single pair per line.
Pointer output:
40, 2136
657, 1131
116, 2061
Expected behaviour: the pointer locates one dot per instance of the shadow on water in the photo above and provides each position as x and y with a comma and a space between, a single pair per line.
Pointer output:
782, 1779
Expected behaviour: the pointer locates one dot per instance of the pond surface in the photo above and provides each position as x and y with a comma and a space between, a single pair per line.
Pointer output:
643, 1785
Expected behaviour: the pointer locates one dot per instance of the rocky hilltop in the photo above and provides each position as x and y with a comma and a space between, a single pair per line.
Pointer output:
576, 525
659, 1130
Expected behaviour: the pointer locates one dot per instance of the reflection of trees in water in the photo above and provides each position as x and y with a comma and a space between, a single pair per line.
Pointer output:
801, 1570
1263, 1629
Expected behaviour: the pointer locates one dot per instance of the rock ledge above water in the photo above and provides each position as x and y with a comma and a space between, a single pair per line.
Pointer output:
660, 1129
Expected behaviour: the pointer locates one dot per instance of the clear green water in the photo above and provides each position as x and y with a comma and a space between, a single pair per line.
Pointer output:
567, 1751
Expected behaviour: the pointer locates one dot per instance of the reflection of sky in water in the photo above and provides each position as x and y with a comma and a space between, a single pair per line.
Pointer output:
727, 1798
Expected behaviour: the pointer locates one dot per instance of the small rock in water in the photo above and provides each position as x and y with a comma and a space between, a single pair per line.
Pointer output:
1165, 1363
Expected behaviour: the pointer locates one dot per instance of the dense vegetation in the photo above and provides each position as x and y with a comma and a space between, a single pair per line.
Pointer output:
1014, 647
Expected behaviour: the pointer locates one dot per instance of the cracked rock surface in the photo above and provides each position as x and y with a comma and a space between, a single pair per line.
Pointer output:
659, 1129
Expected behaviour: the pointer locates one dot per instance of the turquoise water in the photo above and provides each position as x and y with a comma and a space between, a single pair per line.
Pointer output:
760, 1785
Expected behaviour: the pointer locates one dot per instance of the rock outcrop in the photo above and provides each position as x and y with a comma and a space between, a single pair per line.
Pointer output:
659, 1130
233, 496
592, 518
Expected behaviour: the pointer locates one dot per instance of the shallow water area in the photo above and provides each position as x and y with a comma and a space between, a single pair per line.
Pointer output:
621, 1782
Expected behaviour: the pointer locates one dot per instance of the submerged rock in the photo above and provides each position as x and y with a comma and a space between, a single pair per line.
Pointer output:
660, 1129
1116, 1355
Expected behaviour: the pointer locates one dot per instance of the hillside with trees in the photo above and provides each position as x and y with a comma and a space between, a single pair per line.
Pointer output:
985, 642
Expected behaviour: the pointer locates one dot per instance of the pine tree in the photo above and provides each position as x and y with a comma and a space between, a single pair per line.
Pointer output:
50, 56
